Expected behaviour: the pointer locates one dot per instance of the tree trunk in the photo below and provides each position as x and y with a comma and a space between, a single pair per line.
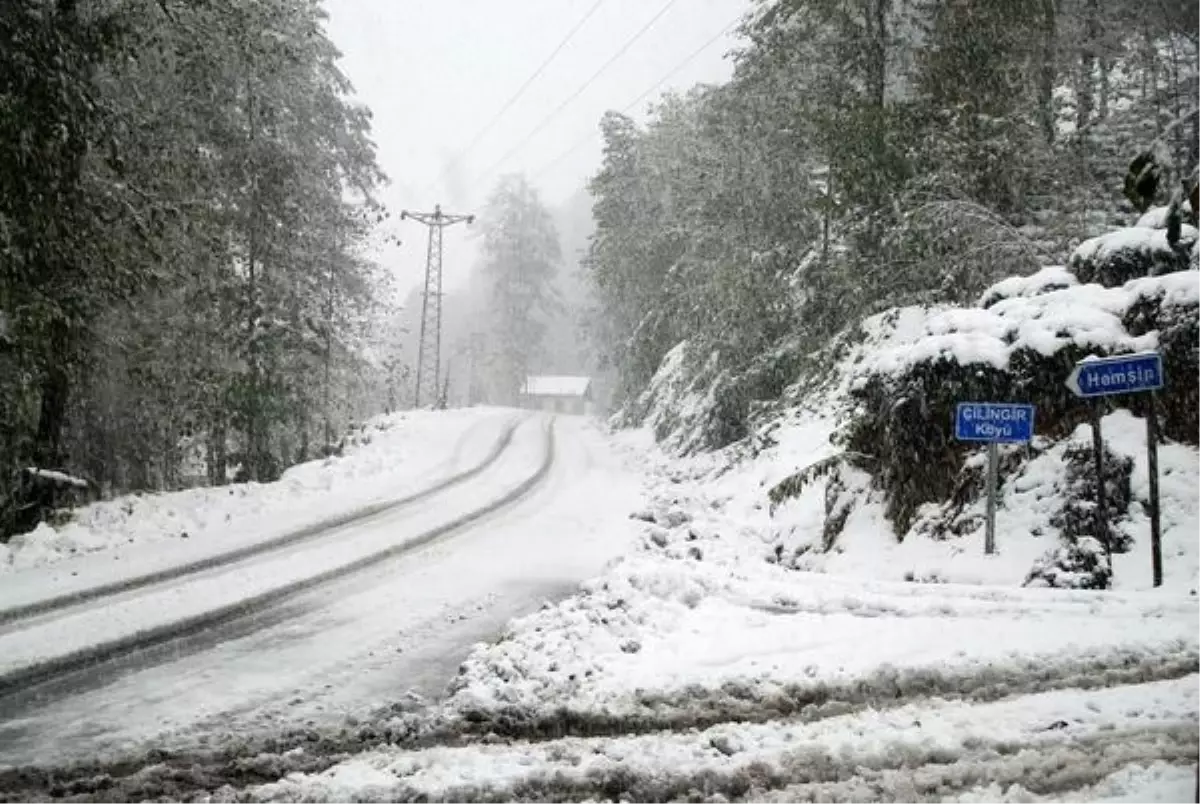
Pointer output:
1180, 146
328, 359
305, 445
876, 28
1085, 98
1047, 74
257, 461
55, 391
170, 459
1151, 69
56, 382
217, 457
1105, 86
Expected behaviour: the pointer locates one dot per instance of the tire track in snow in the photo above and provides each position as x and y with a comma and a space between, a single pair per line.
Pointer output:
895, 773
878, 757
26, 680
57, 604
242, 760
697, 707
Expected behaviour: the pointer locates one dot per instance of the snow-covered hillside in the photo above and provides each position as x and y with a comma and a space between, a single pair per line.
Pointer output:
857, 471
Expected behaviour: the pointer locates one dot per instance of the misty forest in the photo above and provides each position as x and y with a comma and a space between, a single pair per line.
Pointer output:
195, 285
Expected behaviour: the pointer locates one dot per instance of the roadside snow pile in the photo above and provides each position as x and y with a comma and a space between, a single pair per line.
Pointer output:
1115, 742
682, 636
387, 457
1135, 784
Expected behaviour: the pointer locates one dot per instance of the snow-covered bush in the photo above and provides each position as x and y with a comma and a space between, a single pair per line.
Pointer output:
1075, 565
845, 479
1081, 559
1117, 257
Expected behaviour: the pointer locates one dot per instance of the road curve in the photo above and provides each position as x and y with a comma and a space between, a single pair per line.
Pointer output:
19, 683
62, 602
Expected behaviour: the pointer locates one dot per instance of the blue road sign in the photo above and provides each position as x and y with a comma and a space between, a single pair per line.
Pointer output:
1124, 374
993, 421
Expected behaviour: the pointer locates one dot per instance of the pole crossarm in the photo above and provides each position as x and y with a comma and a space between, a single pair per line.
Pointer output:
436, 218
429, 352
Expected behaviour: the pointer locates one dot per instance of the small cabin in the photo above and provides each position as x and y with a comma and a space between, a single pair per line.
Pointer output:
572, 395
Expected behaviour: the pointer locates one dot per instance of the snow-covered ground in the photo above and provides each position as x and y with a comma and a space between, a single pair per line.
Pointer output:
697, 625
695, 667
389, 457
1089, 745
701, 665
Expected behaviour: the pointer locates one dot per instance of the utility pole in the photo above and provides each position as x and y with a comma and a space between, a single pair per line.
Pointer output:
429, 352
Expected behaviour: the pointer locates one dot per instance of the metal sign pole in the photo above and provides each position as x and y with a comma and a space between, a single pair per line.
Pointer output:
1098, 451
989, 544
1152, 461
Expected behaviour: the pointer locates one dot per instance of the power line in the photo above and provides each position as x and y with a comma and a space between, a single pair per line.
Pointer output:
528, 82
669, 75
550, 117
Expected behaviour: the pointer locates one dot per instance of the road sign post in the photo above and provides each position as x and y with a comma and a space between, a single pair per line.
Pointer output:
1152, 465
989, 537
994, 423
1101, 521
1125, 374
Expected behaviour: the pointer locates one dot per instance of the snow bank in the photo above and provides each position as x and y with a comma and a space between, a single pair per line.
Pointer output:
1015, 750
388, 457
1022, 313
700, 625
687, 641
1136, 783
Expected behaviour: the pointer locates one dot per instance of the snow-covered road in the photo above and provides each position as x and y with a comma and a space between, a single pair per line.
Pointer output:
389, 631
312, 500
690, 668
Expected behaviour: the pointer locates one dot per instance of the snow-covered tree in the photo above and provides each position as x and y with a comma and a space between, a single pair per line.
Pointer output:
521, 256
870, 153
184, 191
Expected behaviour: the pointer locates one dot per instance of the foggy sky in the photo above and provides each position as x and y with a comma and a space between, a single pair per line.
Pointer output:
434, 72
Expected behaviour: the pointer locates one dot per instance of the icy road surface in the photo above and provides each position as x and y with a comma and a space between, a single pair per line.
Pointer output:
393, 632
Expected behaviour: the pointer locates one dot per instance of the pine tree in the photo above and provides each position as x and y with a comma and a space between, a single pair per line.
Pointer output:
521, 257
